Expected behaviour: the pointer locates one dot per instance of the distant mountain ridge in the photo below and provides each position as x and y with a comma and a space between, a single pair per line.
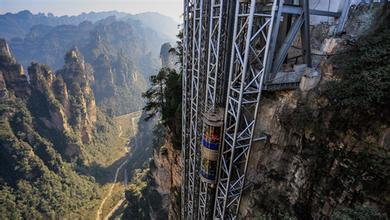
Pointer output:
16, 25
123, 49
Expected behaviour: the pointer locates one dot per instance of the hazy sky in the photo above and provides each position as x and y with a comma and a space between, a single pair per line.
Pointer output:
172, 8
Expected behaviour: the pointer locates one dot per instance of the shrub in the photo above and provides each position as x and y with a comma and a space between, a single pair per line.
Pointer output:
358, 212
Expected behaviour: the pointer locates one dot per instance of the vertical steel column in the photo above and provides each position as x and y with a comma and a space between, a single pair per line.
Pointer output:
288, 41
344, 16
187, 36
273, 40
213, 85
305, 33
251, 37
195, 109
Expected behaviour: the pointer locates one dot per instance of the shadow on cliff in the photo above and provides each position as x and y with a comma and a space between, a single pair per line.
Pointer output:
141, 153
104, 174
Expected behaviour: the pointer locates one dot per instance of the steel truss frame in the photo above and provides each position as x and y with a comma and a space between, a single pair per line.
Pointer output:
197, 78
186, 78
255, 59
216, 42
215, 59
251, 39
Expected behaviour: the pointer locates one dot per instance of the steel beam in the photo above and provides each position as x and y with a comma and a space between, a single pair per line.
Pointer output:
296, 10
305, 33
344, 16
282, 53
274, 38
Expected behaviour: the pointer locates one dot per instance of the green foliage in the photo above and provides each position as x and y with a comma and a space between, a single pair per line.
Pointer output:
343, 121
8, 204
164, 98
35, 182
359, 93
358, 212
142, 198
283, 216
139, 181
179, 48
105, 136
362, 89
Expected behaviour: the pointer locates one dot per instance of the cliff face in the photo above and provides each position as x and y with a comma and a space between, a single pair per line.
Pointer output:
168, 57
309, 173
167, 175
63, 103
43, 124
167, 158
160, 199
327, 157
77, 76
119, 81
12, 73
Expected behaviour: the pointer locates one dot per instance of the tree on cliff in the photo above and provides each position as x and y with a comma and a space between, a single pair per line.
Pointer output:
164, 99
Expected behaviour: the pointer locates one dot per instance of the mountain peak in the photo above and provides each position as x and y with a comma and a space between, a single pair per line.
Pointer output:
12, 73
25, 13
73, 55
75, 68
4, 49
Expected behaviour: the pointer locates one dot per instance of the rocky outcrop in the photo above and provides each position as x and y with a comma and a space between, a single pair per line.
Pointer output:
118, 83
167, 174
310, 173
64, 102
77, 75
41, 82
168, 56
12, 76
72, 104
45, 124
3, 88
13, 73
4, 49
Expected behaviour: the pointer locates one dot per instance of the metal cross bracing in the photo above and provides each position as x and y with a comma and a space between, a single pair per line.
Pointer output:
196, 108
214, 86
186, 78
216, 43
251, 37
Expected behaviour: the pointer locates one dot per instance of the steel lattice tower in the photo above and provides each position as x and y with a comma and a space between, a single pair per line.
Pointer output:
249, 39
214, 85
199, 16
186, 78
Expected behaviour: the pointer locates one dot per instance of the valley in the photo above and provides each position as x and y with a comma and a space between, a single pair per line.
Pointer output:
70, 111
128, 125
